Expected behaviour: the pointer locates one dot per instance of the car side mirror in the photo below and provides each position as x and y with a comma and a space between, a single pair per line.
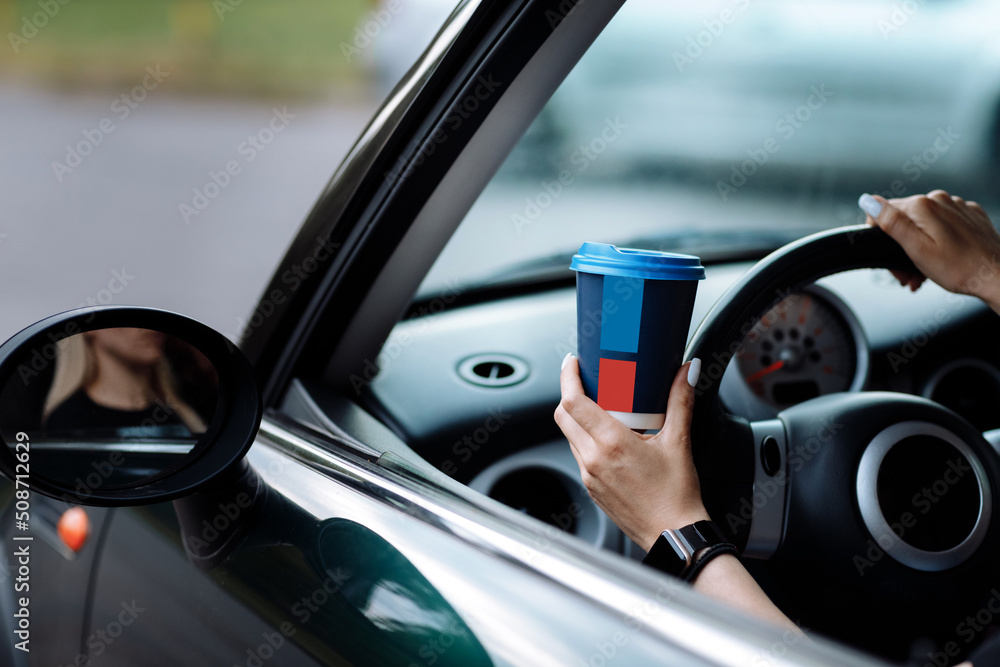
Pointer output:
116, 405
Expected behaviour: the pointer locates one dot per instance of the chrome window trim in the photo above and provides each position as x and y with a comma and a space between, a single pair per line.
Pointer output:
687, 620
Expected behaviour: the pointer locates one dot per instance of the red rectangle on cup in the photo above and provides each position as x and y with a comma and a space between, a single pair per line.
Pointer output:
615, 385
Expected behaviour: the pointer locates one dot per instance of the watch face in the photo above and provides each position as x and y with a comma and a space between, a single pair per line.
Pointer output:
668, 554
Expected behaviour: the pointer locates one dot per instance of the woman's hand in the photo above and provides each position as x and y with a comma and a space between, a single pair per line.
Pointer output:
644, 483
647, 483
951, 241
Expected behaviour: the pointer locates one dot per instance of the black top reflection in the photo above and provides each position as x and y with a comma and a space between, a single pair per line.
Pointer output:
123, 381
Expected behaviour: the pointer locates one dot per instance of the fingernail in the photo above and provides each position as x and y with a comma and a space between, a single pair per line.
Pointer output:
870, 205
569, 355
694, 372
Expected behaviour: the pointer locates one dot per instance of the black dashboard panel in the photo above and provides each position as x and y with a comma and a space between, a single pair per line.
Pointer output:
463, 418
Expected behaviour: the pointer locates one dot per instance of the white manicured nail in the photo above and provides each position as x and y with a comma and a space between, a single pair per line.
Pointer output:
694, 372
569, 355
870, 205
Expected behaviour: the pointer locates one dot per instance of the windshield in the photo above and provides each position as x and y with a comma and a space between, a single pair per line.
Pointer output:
737, 126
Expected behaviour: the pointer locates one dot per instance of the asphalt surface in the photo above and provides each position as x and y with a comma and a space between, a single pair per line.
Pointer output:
93, 186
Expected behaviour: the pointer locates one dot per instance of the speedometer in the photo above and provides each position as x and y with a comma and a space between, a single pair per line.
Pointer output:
802, 348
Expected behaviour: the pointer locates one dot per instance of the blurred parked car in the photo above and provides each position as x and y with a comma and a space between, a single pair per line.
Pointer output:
870, 88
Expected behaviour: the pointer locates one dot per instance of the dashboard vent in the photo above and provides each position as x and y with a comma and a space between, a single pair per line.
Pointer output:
493, 370
971, 388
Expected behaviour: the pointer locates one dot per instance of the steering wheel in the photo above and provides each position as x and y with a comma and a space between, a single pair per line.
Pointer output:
868, 516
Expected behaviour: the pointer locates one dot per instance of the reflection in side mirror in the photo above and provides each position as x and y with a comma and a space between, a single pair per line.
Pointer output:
127, 403
123, 405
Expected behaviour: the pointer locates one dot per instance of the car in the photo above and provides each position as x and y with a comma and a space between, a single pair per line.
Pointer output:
373, 476
870, 80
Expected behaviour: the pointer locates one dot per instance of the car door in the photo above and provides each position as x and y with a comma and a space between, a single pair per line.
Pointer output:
318, 581
337, 544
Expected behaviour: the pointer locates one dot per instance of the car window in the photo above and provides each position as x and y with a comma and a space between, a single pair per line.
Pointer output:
730, 123
164, 153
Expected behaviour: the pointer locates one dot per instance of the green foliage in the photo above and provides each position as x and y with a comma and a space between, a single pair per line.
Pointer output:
255, 47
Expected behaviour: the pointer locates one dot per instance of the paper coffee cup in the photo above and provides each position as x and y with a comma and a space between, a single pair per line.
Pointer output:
633, 314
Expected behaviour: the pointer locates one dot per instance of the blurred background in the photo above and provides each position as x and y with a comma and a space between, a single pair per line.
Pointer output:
164, 152
117, 114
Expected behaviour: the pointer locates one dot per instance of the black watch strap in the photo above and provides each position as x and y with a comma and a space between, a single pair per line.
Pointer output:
685, 551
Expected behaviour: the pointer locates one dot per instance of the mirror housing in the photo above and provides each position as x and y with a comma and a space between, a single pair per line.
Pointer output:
96, 465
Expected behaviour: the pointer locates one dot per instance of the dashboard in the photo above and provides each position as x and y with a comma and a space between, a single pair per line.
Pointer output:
472, 389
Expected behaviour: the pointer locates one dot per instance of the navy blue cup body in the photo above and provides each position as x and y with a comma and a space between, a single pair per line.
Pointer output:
633, 315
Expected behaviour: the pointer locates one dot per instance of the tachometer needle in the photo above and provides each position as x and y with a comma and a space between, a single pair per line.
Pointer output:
778, 365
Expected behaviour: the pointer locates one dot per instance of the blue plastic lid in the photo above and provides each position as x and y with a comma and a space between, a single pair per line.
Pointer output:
610, 260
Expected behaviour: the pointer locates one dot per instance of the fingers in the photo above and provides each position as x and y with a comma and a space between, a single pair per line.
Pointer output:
943, 198
908, 279
581, 409
894, 222
680, 406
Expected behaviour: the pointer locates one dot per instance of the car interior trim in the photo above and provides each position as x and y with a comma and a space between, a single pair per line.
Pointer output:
876, 522
767, 525
993, 437
941, 373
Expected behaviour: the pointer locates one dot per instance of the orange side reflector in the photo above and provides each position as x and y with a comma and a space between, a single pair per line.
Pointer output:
73, 527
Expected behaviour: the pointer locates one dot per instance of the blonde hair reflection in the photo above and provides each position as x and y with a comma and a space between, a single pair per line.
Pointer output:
76, 368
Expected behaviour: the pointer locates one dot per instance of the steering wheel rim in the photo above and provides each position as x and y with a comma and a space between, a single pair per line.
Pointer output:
723, 329
727, 449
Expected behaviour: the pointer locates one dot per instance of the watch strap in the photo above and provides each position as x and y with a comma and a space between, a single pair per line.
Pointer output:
685, 551
708, 554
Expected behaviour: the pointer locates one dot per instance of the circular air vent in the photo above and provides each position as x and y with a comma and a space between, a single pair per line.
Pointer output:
493, 370
971, 388
538, 492
924, 496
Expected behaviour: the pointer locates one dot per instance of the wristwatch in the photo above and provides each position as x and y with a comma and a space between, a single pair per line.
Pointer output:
685, 551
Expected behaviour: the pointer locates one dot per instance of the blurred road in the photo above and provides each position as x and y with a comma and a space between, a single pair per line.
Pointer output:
189, 203
106, 223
